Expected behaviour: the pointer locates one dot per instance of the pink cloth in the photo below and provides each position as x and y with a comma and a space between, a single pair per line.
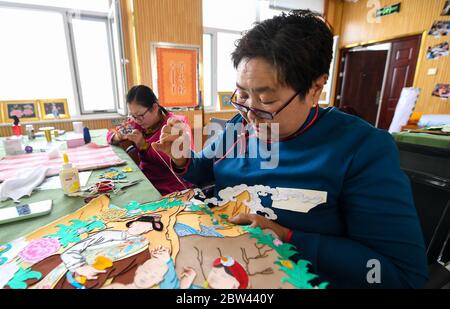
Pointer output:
87, 157
151, 164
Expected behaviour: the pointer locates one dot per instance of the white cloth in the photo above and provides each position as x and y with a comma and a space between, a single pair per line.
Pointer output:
23, 183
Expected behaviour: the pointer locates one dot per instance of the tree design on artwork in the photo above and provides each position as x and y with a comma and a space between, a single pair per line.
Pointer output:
261, 255
297, 272
200, 261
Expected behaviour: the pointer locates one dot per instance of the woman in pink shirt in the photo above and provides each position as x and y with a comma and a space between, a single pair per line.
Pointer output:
146, 118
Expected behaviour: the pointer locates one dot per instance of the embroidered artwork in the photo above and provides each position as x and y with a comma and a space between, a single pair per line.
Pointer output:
178, 242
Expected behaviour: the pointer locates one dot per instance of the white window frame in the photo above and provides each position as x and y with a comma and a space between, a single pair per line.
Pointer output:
329, 85
68, 14
214, 48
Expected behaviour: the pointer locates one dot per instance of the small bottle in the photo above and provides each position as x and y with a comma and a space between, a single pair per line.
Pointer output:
16, 128
30, 131
70, 179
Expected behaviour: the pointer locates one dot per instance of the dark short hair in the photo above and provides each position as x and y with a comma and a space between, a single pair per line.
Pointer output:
298, 44
142, 95
154, 220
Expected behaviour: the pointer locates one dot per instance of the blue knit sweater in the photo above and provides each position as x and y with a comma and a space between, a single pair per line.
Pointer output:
369, 213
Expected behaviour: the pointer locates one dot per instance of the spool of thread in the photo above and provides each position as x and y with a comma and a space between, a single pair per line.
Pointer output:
17, 130
48, 133
78, 127
86, 135
30, 131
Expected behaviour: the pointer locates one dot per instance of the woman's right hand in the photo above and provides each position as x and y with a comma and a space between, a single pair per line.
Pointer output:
174, 142
118, 137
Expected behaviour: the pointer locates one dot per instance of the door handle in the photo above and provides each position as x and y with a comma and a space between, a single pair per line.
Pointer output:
378, 97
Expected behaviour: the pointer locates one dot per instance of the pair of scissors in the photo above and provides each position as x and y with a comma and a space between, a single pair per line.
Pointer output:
122, 189
104, 186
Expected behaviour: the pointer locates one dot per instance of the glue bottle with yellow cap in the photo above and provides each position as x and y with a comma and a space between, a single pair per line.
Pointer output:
70, 179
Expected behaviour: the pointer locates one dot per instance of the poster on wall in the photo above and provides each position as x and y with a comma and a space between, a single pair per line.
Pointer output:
442, 91
446, 9
440, 28
175, 74
438, 50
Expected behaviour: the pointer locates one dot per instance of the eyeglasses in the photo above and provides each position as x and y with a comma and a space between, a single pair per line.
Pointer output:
139, 117
258, 112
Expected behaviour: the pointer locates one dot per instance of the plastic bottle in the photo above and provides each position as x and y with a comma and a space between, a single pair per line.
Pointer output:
16, 128
70, 179
30, 131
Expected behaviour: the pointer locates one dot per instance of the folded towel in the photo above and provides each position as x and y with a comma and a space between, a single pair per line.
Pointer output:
25, 181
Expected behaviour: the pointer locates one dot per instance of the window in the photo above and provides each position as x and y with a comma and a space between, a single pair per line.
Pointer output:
223, 23
94, 64
226, 80
234, 15
86, 5
207, 67
70, 49
34, 63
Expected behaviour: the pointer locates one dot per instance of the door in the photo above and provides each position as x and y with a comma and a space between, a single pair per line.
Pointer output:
402, 67
362, 82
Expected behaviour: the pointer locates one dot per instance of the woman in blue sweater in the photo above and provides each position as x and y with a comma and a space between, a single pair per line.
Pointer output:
364, 231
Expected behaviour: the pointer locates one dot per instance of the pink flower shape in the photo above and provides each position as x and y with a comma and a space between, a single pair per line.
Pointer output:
39, 249
17, 113
27, 112
277, 242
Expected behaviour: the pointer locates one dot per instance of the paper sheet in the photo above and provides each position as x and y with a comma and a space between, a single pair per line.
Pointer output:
52, 183
404, 109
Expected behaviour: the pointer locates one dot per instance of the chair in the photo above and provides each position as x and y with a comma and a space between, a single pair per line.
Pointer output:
428, 169
219, 121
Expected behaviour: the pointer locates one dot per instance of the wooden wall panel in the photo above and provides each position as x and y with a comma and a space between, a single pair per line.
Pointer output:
129, 37
92, 124
415, 17
173, 21
333, 14
427, 104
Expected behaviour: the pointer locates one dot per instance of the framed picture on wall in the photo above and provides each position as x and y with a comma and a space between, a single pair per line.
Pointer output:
439, 28
176, 74
224, 100
439, 50
446, 9
54, 109
442, 91
24, 110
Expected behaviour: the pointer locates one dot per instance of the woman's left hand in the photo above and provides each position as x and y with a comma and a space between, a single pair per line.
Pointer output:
137, 138
264, 223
